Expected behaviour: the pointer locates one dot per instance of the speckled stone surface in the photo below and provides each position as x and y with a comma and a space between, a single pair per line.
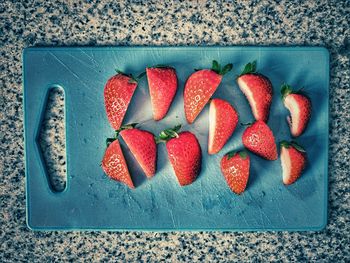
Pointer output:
34, 23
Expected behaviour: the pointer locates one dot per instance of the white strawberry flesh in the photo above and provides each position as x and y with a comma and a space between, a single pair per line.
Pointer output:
294, 120
212, 125
286, 165
249, 95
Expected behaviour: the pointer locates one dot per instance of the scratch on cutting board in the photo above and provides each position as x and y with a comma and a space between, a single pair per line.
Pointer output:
170, 212
280, 212
242, 214
202, 196
172, 218
83, 63
92, 59
128, 204
64, 65
115, 60
69, 70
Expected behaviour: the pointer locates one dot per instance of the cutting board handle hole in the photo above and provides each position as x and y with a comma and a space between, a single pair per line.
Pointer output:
52, 139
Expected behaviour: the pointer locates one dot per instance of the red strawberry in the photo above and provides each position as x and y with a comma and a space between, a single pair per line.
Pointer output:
143, 146
200, 86
222, 122
259, 139
235, 168
162, 82
293, 161
118, 92
184, 153
114, 164
299, 106
258, 90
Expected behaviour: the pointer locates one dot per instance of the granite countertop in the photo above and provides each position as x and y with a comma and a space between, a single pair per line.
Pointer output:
65, 23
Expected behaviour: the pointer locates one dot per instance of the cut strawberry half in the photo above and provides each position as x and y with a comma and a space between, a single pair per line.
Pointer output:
199, 88
118, 92
143, 146
258, 138
299, 106
258, 90
293, 161
223, 120
162, 82
184, 154
114, 164
235, 168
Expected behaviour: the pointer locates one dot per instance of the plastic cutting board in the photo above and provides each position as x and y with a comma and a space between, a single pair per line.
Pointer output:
93, 201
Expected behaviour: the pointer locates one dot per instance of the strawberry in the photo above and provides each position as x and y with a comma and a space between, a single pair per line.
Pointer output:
114, 164
299, 106
293, 161
162, 82
143, 146
200, 86
259, 139
235, 168
258, 90
184, 153
223, 119
118, 92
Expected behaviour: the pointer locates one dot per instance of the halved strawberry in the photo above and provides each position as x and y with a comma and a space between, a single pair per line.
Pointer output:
293, 161
118, 92
258, 90
143, 146
184, 153
200, 86
223, 120
299, 106
162, 82
235, 168
259, 139
114, 164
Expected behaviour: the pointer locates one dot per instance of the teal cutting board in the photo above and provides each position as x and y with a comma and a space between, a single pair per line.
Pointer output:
93, 201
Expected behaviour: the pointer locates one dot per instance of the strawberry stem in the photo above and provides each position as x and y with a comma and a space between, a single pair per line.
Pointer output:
109, 141
230, 154
140, 76
294, 144
286, 90
226, 69
219, 70
243, 154
285, 144
132, 78
162, 66
216, 67
168, 134
246, 124
125, 127
297, 146
116, 132
137, 78
249, 68
121, 72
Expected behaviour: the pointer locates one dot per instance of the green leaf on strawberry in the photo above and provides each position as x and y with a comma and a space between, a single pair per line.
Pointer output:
286, 90
249, 68
219, 70
297, 146
168, 134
